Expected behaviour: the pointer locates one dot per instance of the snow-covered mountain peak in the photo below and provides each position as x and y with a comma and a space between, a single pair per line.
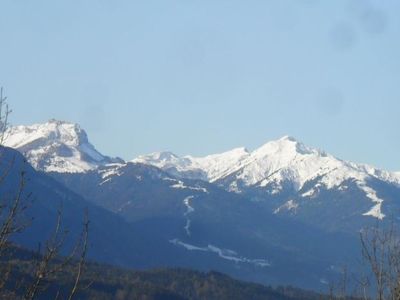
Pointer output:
285, 157
288, 138
277, 164
166, 155
286, 146
53, 130
56, 146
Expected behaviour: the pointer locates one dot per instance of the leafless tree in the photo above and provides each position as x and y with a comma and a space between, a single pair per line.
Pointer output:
338, 289
379, 274
381, 252
4, 114
49, 262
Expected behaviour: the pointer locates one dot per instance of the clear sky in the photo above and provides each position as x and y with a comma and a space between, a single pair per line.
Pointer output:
203, 76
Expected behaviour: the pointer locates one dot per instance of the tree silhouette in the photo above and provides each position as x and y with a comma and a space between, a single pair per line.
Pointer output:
46, 262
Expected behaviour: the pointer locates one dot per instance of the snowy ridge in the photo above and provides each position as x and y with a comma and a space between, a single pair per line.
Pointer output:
275, 163
208, 168
112, 170
282, 160
55, 146
58, 146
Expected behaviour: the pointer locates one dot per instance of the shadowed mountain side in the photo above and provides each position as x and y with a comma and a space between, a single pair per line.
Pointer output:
201, 219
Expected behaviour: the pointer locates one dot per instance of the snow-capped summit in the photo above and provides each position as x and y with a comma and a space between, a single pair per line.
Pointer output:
281, 167
275, 161
285, 148
55, 146
274, 165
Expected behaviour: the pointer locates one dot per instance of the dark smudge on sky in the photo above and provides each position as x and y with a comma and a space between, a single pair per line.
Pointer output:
330, 101
343, 36
371, 19
363, 17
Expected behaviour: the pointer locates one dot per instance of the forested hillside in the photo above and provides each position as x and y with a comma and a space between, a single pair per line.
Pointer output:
101, 281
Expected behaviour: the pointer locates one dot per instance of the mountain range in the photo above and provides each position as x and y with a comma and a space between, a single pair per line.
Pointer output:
284, 213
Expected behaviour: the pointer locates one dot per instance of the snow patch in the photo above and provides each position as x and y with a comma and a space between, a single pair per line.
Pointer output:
189, 210
323, 281
124, 206
233, 187
309, 193
181, 185
288, 206
105, 181
226, 254
106, 173
376, 210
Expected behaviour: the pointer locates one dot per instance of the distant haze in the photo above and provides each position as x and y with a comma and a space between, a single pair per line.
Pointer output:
201, 77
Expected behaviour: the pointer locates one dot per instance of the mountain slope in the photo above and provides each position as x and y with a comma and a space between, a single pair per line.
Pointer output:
112, 240
284, 213
289, 178
211, 228
58, 146
276, 168
198, 226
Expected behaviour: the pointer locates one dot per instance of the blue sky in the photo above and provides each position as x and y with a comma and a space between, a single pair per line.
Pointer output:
198, 77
